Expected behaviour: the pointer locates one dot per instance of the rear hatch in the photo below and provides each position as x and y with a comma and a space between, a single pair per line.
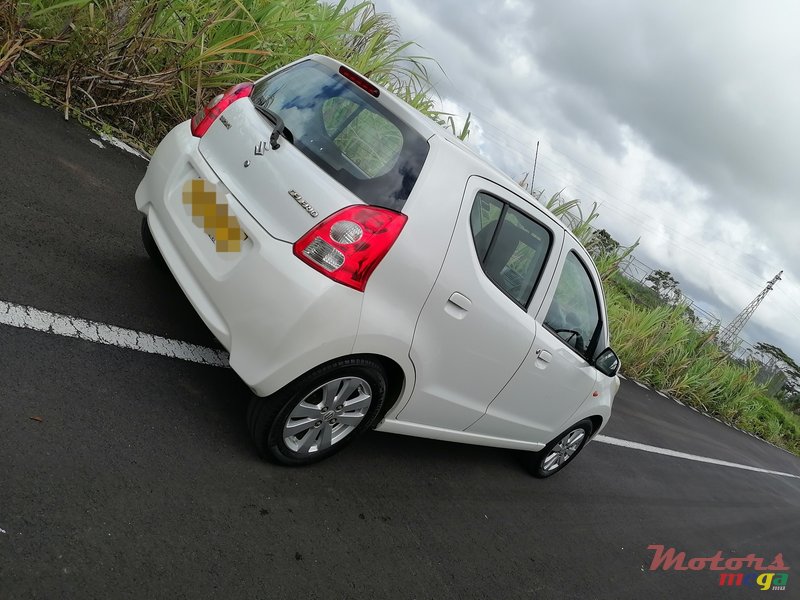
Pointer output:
340, 146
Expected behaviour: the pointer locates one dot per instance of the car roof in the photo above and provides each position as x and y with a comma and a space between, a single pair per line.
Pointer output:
429, 128
483, 168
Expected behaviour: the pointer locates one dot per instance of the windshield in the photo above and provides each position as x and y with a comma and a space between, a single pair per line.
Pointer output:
346, 132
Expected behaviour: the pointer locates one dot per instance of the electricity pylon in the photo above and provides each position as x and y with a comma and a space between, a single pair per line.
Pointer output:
727, 338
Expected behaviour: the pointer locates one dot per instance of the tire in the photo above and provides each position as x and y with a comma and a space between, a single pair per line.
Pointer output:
561, 451
299, 425
150, 245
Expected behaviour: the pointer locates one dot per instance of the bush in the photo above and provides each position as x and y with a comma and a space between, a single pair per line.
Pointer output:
660, 346
145, 65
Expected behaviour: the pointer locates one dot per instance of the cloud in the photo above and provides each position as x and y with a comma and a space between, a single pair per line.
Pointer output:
678, 118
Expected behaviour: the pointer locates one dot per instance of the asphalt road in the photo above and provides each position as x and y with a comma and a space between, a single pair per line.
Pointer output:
140, 481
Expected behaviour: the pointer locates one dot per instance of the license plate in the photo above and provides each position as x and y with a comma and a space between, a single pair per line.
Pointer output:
211, 213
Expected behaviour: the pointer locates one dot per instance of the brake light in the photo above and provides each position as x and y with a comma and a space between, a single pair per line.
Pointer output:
348, 245
359, 81
209, 113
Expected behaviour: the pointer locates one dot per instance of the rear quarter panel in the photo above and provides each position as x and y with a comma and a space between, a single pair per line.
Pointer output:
398, 288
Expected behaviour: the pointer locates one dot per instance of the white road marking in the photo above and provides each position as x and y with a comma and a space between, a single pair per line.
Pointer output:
674, 453
27, 317
679, 402
660, 393
641, 385
123, 146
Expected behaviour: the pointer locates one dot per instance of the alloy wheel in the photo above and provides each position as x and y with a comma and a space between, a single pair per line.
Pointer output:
564, 450
327, 415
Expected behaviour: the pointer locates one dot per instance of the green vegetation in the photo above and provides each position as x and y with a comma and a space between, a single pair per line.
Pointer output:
787, 380
144, 65
140, 66
659, 344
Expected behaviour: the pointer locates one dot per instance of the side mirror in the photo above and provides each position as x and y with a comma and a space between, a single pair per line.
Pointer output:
607, 362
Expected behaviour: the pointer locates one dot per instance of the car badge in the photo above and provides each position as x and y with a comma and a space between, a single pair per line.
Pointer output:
225, 122
299, 199
261, 147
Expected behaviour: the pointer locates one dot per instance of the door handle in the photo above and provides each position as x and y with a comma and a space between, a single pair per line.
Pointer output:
461, 301
544, 355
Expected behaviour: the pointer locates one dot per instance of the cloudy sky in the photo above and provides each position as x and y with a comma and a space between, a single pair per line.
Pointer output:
680, 119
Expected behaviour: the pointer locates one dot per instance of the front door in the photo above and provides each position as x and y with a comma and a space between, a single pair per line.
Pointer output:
474, 330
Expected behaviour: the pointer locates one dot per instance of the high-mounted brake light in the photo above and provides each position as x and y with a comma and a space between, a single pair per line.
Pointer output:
348, 245
359, 81
209, 113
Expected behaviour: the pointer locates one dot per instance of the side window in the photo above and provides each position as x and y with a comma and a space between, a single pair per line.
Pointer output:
511, 246
484, 218
574, 315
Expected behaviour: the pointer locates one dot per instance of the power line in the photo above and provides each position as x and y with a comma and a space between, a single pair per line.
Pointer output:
619, 200
675, 232
737, 274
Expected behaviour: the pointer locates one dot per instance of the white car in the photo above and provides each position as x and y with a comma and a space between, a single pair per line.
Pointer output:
365, 269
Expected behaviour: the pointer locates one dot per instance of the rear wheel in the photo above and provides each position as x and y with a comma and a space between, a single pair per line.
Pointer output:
150, 245
561, 451
320, 413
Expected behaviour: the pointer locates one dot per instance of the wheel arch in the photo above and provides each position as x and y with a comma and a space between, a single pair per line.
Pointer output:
395, 378
395, 382
597, 423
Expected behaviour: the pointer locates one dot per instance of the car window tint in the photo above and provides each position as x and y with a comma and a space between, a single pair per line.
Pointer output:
574, 314
483, 220
512, 247
346, 132
366, 140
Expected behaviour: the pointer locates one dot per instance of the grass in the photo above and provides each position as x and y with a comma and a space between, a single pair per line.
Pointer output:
660, 344
661, 347
145, 65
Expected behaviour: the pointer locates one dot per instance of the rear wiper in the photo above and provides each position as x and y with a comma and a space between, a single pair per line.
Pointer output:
280, 127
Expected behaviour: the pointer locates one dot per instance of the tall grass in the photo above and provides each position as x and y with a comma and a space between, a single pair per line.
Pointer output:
660, 346
148, 64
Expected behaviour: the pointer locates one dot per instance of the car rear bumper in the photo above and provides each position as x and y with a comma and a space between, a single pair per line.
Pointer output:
278, 317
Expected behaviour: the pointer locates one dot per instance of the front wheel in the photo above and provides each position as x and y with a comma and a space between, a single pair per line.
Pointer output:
318, 414
561, 451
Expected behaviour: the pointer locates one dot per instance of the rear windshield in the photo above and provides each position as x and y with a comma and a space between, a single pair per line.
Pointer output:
346, 132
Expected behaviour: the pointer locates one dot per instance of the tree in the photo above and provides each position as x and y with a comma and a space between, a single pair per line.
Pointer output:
689, 315
784, 362
601, 243
665, 285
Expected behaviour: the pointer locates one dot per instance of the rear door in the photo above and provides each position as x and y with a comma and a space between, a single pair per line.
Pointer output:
474, 330
265, 181
557, 375
341, 146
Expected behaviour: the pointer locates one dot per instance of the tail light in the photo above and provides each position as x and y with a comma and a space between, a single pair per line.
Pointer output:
209, 113
359, 81
348, 245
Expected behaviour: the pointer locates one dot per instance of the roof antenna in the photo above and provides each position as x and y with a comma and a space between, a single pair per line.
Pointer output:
535, 160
